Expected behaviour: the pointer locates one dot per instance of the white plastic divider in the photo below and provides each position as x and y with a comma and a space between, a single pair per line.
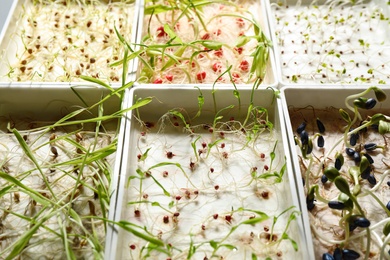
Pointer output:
187, 98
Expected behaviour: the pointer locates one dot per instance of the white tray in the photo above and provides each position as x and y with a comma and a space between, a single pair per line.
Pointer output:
176, 96
12, 47
260, 15
304, 61
307, 104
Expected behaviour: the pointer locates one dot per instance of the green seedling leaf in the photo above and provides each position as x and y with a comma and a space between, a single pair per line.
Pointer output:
171, 33
200, 104
156, 9
242, 40
254, 257
96, 81
179, 115
342, 185
379, 94
345, 115
213, 244
294, 244
166, 193
32, 193
331, 173
386, 229
212, 45
23, 240
144, 155
127, 226
384, 127
255, 220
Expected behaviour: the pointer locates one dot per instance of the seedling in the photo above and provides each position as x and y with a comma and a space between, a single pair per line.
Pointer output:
344, 179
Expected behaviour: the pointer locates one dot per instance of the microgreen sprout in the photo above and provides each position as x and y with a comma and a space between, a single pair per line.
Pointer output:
343, 177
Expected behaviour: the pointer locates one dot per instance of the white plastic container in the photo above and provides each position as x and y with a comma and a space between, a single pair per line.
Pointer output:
179, 168
327, 42
259, 14
58, 44
305, 104
30, 110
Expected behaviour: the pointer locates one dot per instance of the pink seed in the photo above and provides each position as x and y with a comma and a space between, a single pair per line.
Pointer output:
217, 67
244, 65
200, 76
169, 77
158, 81
161, 32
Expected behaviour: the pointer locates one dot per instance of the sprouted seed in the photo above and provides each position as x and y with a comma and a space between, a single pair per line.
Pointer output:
216, 204
345, 181
196, 42
59, 43
332, 41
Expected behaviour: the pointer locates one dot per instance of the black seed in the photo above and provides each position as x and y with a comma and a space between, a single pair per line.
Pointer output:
309, 147
353, 139
349, 254
369, 158
327, 256
310, 203
371, 179
303, 182
356, 157
362, 222
338, 164
320, 125
320, 141
352, 227
301, 127
370, 103
304, 137
370, 146
337, 254
324, 179
336, 205
366, 173
350, 151
388, 205
388, 183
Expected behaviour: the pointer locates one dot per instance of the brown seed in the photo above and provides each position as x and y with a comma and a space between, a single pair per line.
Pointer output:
166, 219
92, 60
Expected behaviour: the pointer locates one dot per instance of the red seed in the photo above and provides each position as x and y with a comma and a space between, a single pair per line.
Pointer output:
225, 155
178, 197
217, 67
170, 155
200, 76
166, 219
266, 167
240, 22
223, 145
205, 36
196, 192
161, 32
137, 213
216, 187
238, 49
203, 227
158, 81
218, 32
132, 247
262, 155
218, 53
169, 77
204, 144
176, 214
228, 218
211, 169
165, 174
244, 65
139, 156
215, 216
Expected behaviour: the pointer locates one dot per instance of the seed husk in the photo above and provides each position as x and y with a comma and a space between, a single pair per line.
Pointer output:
320, 125
320, 141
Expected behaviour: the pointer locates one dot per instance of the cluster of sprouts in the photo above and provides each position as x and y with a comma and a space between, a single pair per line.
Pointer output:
57, 41
194, 42
207, 185
344, 162
332, 42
